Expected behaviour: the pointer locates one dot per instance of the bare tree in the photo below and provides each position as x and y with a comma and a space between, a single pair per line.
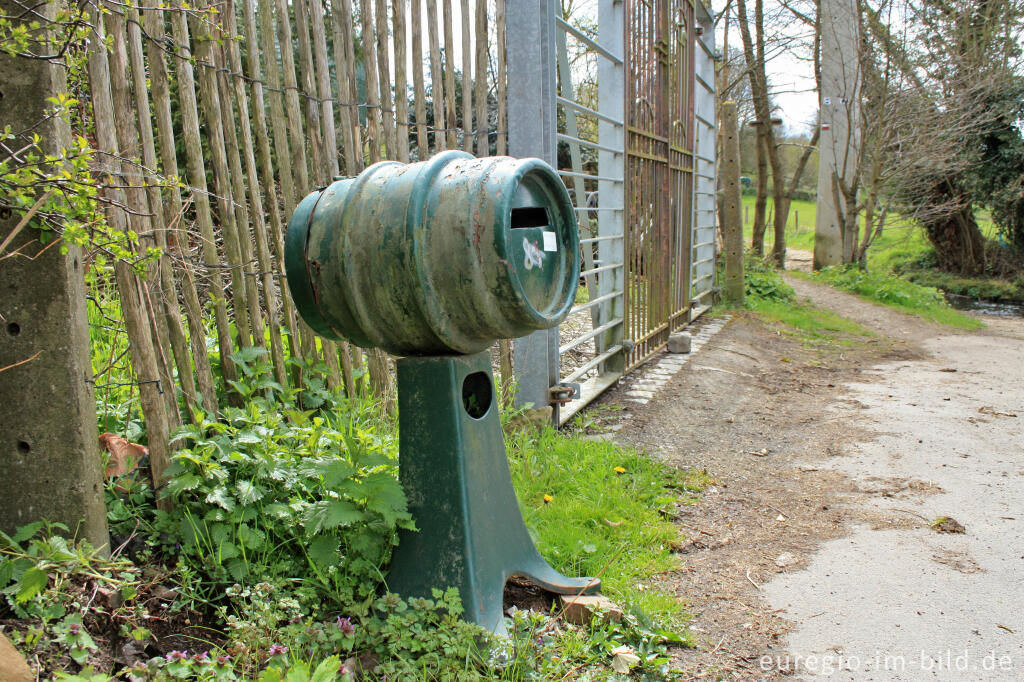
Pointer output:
757, 52
932, 71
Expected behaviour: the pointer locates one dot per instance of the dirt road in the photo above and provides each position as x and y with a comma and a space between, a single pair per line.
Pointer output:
814, 553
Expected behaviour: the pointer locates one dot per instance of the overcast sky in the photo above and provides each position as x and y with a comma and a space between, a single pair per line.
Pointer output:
791, 78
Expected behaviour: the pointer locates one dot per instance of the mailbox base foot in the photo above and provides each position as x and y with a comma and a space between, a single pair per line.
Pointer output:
454, 469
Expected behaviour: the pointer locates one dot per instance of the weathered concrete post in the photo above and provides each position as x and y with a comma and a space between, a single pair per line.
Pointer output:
49, 461
732, 228
839, 118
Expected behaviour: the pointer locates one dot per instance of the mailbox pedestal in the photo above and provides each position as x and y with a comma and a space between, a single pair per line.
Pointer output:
455, 473
434, 261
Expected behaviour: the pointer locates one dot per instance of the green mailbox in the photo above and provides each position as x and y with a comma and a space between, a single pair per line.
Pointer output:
434, 261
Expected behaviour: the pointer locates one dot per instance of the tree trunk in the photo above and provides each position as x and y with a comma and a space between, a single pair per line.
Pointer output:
761, 199
959, 244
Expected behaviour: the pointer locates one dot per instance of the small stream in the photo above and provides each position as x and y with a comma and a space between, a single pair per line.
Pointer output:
977, 305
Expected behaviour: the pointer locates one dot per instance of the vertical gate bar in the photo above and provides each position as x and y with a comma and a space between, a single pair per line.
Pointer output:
565, 87
531, 132
611, 101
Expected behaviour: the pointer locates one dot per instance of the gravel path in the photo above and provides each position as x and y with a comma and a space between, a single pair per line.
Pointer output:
830, 464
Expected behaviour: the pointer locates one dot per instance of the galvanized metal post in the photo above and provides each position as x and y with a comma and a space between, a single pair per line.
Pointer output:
611, 101
703, 249
49, 451
530, 27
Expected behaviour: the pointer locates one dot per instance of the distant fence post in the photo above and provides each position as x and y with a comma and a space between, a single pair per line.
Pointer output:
49, 459
530, 26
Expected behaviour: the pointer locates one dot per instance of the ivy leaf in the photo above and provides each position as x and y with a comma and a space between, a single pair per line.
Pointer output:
32, 582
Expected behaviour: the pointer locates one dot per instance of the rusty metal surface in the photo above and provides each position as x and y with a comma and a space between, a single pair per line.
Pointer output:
435, 257
659, 166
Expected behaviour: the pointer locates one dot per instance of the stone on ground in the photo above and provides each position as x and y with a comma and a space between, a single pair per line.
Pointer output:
679, 343
580, 610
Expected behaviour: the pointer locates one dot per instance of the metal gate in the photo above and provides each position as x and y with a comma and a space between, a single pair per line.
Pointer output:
645, 203
702, 244
661, 166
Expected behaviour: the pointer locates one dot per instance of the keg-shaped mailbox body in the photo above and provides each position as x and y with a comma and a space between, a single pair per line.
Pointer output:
438, 257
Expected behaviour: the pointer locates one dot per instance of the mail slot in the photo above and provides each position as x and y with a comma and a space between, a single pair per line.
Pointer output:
438, 257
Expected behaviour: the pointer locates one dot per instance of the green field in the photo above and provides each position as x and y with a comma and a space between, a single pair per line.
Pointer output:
799, 226
900, 243
895, 276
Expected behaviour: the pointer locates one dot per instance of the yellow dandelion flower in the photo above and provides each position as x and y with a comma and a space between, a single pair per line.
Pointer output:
620, 470
548, 498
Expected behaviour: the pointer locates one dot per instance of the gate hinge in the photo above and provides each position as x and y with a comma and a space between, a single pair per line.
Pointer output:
564, 393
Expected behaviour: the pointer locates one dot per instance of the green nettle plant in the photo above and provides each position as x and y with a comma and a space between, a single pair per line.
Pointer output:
764, 282
308, 501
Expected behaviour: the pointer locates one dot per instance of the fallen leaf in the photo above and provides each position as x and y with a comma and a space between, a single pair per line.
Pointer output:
612, 524
946, 524
623, 658
995, 413
124, 458
785, 559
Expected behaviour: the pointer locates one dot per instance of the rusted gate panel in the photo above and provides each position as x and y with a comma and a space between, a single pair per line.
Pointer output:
659, 164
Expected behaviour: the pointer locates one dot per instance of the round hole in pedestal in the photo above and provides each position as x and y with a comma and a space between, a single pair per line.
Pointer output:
477, 394
13, 328
24, 447
5, 213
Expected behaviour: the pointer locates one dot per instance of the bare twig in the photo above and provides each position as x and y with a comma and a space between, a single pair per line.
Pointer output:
26, 360
24, 221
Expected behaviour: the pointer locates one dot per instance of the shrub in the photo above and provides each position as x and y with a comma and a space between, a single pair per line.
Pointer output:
882, 287
311, 500
764, 282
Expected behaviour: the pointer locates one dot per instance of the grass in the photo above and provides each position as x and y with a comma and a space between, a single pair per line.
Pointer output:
598, 509
901, 241
895, 277
815, 327
992, 289
799, 225
895, 292
768, 295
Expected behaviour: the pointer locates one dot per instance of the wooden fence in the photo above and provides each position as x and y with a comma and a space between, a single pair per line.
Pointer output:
214, 121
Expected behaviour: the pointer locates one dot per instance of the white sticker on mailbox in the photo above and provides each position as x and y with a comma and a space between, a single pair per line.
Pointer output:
550, 241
